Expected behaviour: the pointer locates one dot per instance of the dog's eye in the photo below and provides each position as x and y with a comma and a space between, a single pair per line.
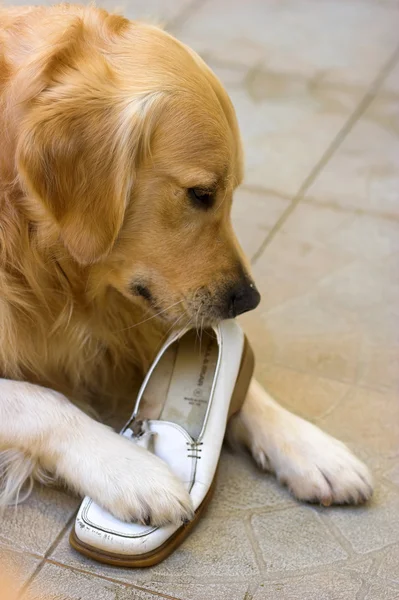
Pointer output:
201, 198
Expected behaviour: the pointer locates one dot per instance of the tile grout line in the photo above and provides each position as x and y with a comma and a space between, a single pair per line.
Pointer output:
336, 404
334, 145
314, 201
250, 580
46, 560
210, 580
332, 529
327, 277
260, 563
245, 68
119, 582
330, 378
47, 554
350, 210
364, 589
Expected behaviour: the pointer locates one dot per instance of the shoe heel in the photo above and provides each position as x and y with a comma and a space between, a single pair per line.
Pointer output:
243, 379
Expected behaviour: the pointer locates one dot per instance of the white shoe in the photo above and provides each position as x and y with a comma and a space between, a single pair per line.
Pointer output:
199, 385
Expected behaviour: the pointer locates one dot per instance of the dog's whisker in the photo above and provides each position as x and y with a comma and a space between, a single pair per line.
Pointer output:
197, 331
165, 335
196, 319
152, 316
175, 323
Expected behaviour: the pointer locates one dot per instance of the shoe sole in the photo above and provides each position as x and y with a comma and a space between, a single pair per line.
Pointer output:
149, 559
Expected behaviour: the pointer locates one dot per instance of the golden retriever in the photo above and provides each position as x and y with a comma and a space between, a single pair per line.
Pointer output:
119, 156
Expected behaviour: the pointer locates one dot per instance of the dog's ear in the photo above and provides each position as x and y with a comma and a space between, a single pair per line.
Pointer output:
75, 168
77, 148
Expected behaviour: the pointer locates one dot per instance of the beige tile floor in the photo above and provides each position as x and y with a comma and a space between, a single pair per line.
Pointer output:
316, 88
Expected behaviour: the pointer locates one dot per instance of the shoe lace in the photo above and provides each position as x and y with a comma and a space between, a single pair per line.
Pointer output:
194, 448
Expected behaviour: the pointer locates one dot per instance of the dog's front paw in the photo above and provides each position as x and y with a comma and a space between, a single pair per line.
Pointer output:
313, 465
127, 481
147, 492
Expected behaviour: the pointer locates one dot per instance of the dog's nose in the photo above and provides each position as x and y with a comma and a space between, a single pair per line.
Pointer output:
242, 298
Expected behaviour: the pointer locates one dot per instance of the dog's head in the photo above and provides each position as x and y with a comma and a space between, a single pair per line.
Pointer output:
131, 147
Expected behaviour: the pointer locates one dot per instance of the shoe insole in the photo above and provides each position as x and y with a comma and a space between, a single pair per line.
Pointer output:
183, 380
